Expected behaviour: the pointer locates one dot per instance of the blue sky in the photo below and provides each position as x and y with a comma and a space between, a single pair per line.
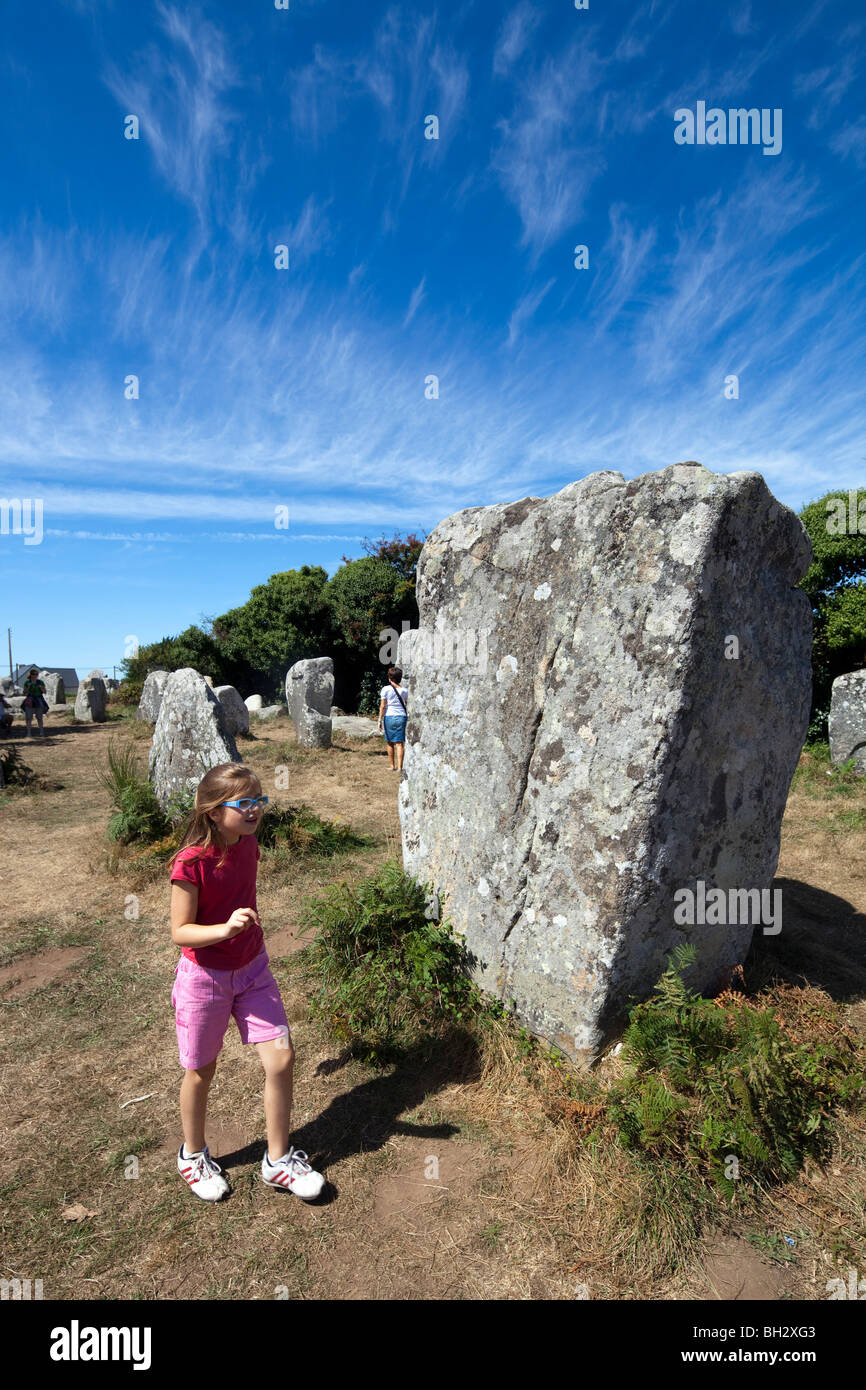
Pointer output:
305, 387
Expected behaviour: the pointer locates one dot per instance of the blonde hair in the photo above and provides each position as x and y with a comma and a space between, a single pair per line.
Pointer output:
223, 783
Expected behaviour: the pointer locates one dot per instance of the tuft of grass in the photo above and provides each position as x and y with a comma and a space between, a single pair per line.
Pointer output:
138, 815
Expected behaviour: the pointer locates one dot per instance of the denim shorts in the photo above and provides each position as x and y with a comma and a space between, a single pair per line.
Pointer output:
395, 728
204, 1000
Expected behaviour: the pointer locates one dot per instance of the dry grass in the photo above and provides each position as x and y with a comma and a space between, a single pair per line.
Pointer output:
483, 1171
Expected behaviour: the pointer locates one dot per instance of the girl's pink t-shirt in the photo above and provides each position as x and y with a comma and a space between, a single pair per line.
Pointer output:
222, 889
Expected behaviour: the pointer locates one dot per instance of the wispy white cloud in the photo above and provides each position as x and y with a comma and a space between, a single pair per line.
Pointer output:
549, 155
851, 141
524, 310
514, 36
626, 258
179, 92
415, 301
828, 85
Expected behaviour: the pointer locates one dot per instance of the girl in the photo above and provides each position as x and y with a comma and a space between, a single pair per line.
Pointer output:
224, 971
394, 702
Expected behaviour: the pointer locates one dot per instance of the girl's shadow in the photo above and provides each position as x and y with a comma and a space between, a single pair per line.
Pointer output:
364, 1118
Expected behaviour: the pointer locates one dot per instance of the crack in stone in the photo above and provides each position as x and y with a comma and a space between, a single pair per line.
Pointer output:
522, 875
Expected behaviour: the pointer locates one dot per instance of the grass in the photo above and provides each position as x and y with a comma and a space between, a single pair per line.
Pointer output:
552, 1197
816, 776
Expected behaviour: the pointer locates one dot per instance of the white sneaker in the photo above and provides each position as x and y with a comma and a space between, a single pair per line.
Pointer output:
203, 1175
294, 1174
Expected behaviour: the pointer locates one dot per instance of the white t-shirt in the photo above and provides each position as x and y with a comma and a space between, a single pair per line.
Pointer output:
390, 694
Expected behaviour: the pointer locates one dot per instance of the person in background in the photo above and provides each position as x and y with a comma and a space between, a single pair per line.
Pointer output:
34, 700
392, 709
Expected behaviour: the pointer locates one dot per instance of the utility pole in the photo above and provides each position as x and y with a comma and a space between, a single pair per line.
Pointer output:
9, 635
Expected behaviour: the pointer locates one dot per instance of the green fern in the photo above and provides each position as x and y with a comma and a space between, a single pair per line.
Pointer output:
711, 1084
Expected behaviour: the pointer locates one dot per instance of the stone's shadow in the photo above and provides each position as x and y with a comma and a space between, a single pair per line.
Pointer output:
365, 1117
822, 942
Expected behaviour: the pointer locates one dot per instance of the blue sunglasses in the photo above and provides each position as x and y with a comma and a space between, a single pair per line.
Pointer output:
246, 802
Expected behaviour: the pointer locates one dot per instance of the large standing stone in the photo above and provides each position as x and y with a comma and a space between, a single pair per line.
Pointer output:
631, 731
309, 692
237, 716
55, 690
847, 723
151, 696
190, 736
90, 700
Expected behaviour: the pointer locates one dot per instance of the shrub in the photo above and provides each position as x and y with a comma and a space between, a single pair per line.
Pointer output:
385, 976
716, 1079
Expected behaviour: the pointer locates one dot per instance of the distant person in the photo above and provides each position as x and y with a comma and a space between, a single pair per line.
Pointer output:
6, 715
224, 973
34, 701
392, 709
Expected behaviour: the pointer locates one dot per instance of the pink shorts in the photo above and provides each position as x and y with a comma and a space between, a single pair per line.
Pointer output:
204, 1000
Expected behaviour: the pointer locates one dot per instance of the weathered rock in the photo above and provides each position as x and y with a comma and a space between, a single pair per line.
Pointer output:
61, 709
190, 736
15, 701
309, 692
8, 686
610, 750
55, 690
254, 702
90, 700
267, 711
355, 725
151, 696
335, 710
237, 716
847, 723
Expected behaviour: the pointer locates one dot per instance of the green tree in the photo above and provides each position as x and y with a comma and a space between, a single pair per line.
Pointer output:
193, 647
281, 622
402, 554
836, 585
